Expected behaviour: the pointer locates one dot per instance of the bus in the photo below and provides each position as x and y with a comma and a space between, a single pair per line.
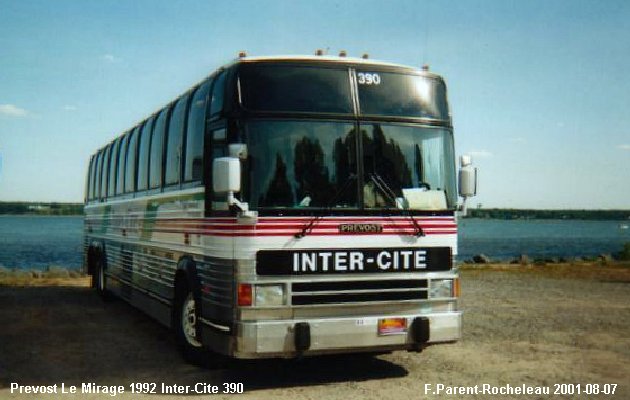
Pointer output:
286, 206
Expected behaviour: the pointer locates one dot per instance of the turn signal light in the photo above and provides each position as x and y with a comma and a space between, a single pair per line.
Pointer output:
244, 294
456, 288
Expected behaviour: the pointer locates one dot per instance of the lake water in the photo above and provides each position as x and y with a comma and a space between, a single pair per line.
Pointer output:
39, 242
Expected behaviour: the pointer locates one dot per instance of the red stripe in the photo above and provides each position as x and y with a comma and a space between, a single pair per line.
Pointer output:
311, 233
279, 226
281, 220
326, 234
294, 226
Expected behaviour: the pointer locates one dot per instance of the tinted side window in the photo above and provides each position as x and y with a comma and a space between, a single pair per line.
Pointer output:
113, 160
97, 180
175, 140
157, 150
105, 164
194, 134
295, 88
401, 95
143, 155
122, 158
130, 167
218, 92
90, 185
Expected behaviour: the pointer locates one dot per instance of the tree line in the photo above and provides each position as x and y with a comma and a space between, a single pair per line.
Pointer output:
40, 208
510, 213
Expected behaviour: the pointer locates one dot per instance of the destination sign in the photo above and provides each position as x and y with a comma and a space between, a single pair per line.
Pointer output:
304, 262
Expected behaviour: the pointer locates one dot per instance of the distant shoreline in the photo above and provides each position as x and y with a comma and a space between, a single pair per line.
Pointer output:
516, 213
16, 208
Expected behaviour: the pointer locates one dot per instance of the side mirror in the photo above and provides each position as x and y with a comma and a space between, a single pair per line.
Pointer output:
467, 178
226, 175
238, 150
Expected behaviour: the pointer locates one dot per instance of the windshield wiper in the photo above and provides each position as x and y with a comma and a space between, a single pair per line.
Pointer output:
329, 203
380, 184
389, 193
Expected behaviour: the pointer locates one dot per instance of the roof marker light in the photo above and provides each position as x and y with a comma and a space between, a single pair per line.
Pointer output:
365, 56
425, 67
319, 52
242, 54
342, 53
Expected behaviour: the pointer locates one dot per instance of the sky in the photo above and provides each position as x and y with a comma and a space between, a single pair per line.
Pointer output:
538, 90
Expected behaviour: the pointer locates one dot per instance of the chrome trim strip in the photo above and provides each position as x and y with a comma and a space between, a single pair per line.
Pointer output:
141, 290
222, 328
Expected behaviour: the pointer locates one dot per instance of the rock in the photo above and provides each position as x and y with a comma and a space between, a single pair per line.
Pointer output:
37, 274
481, 259
605, 258
57, 272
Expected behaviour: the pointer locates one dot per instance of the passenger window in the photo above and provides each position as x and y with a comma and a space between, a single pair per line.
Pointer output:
113, 159
90, 184
218, 92
122, 161
175, 141
194, 134
143, 155
157, 150
97, 181
130, 167
105, 164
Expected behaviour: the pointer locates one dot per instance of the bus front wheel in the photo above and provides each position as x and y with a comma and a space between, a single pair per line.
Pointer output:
185, 321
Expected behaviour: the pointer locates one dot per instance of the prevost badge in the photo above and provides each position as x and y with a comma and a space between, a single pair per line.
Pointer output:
334, 261
360, 228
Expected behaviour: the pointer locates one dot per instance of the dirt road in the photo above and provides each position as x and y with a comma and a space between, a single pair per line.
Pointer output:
537, 328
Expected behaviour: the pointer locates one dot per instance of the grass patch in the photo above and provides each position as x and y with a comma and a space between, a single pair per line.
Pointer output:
53, 276
617, 271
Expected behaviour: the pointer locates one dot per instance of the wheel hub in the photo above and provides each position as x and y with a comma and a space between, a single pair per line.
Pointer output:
189, 321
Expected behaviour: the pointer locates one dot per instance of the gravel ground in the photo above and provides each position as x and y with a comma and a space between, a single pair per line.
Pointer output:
539, 328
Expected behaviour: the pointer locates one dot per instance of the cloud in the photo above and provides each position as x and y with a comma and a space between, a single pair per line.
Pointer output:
480, 153
110, 58
11, 110
69, 107
624, 146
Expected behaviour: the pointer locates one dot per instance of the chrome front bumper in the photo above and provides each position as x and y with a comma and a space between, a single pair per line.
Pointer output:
265, 339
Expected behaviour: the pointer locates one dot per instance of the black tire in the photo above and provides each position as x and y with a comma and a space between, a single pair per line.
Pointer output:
186, 326
99, 279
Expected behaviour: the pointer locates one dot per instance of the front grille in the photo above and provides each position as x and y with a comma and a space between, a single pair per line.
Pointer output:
336, 292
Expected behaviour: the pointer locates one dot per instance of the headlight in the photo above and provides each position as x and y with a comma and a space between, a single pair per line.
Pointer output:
269, 295
441, 288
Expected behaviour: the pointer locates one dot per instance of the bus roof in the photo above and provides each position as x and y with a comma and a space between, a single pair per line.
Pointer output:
323, 59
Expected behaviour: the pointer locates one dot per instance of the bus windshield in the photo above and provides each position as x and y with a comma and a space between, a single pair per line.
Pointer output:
408, 162
301, 164
312, 164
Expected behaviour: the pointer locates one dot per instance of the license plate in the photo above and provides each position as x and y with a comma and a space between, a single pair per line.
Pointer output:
392, 326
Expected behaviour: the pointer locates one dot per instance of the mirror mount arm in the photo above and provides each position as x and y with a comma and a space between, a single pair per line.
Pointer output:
241, 208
